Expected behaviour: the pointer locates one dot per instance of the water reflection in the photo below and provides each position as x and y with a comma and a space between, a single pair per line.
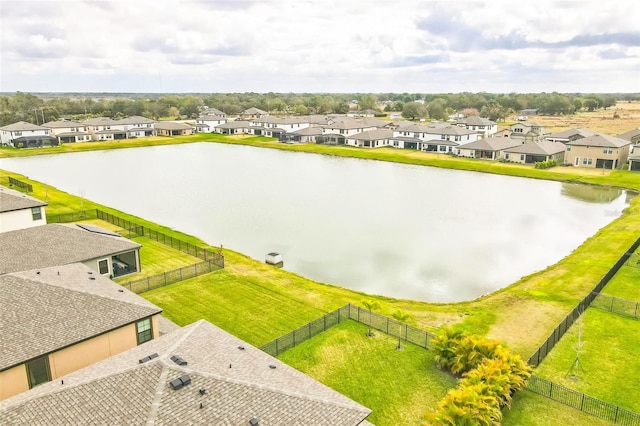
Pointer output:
591, 193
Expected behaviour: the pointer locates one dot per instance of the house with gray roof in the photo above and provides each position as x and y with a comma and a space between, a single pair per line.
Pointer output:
304, 135
634, 137
598, 151
137, 126
338, 129
487, 148
207, 123
251, 113
570, 135
534, 152
103, 251
60, 319
26, 135
527, 131
68, 131
233, 128
199, 374
171, 128
105, 128
20, 211
376, 138
480, 125
433, 137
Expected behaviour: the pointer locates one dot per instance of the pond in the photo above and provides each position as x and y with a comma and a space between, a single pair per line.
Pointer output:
384, 228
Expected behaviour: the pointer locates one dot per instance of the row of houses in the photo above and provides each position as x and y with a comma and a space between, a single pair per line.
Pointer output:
78, 348
473, 137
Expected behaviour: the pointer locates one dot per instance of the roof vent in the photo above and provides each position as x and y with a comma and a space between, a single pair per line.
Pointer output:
202, 391
241, 348
272, 366
254, 422
180, 382
91, 278
148, 358
178, 360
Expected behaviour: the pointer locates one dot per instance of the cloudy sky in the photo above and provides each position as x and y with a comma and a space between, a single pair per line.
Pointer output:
319, 46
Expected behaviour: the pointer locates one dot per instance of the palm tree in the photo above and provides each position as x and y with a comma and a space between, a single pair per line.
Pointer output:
370, 306
401, 317
445, 346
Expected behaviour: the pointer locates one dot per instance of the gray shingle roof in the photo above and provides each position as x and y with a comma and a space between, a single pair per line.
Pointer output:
600, 140
566, 134
135, 119
100, 121
238, 124
491, 144
50, 308
55, 244
11, 200
538, 148
375, 134
169, 125
21, 125
61, 124
474, 120
631, 135
123, 390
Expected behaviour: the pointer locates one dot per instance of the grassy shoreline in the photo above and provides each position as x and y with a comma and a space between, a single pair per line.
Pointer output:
521, 314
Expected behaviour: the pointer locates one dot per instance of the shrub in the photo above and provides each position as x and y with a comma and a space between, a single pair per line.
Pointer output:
545, 164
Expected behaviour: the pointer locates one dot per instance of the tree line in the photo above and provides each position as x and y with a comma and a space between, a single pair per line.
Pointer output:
42, 107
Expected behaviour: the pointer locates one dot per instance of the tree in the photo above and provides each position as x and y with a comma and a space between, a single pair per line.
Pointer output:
367, 102
437, 109
413, 110
370, 306
401, 317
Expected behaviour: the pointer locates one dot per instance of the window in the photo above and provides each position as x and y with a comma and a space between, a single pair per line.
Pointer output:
506, 155
521, 157
568, 148
608, 150
587, 161
103, 266
36, 213
17, 133
143, 331
38, 371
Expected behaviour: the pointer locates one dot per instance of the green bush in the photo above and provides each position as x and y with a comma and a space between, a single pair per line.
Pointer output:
546, 164
491, 375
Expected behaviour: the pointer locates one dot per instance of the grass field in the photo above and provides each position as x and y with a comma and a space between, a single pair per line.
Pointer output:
610, 366
258, 303
400, 385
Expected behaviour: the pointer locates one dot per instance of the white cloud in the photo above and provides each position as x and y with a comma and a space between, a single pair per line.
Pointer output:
318, 46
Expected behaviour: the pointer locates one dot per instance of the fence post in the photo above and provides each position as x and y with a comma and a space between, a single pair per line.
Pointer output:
277, 353
325, 322
358, 313
148, 284
582, 403
309, 330
635, 314
180, 274
339, 319
611, 306
165, 278
550, 389
387, 325
294, 337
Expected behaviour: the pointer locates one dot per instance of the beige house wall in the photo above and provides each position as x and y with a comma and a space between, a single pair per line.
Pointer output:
21, 219
13, 381
595, 153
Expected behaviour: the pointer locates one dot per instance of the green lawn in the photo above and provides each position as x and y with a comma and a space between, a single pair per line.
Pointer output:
531, 409
624, 284
399, 386
609, 359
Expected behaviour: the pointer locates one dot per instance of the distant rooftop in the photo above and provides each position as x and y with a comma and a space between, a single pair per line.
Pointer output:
11, 200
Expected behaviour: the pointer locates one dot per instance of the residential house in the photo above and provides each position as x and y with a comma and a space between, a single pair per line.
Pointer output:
634, 162
482, 126
634, 137
57, 320
598, 151
534, 152
26, 135
233, 128
105, 129
207, 123
251, 113
276, 127
527, 131
433, 137
371, 138
570, 135
137, 126
305, 135
68, 131
199, 375
339, 129
105, 252
20, 211
487, 148
171, 128
210, 111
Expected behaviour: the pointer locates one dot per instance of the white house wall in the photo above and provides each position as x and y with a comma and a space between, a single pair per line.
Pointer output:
21, 219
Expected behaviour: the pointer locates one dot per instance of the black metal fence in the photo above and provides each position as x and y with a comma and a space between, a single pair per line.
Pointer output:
391, 326
134, 229
306, 332
582, 402
72, 216
20, 184
562, 328
141, 285
616, 305
379, 322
